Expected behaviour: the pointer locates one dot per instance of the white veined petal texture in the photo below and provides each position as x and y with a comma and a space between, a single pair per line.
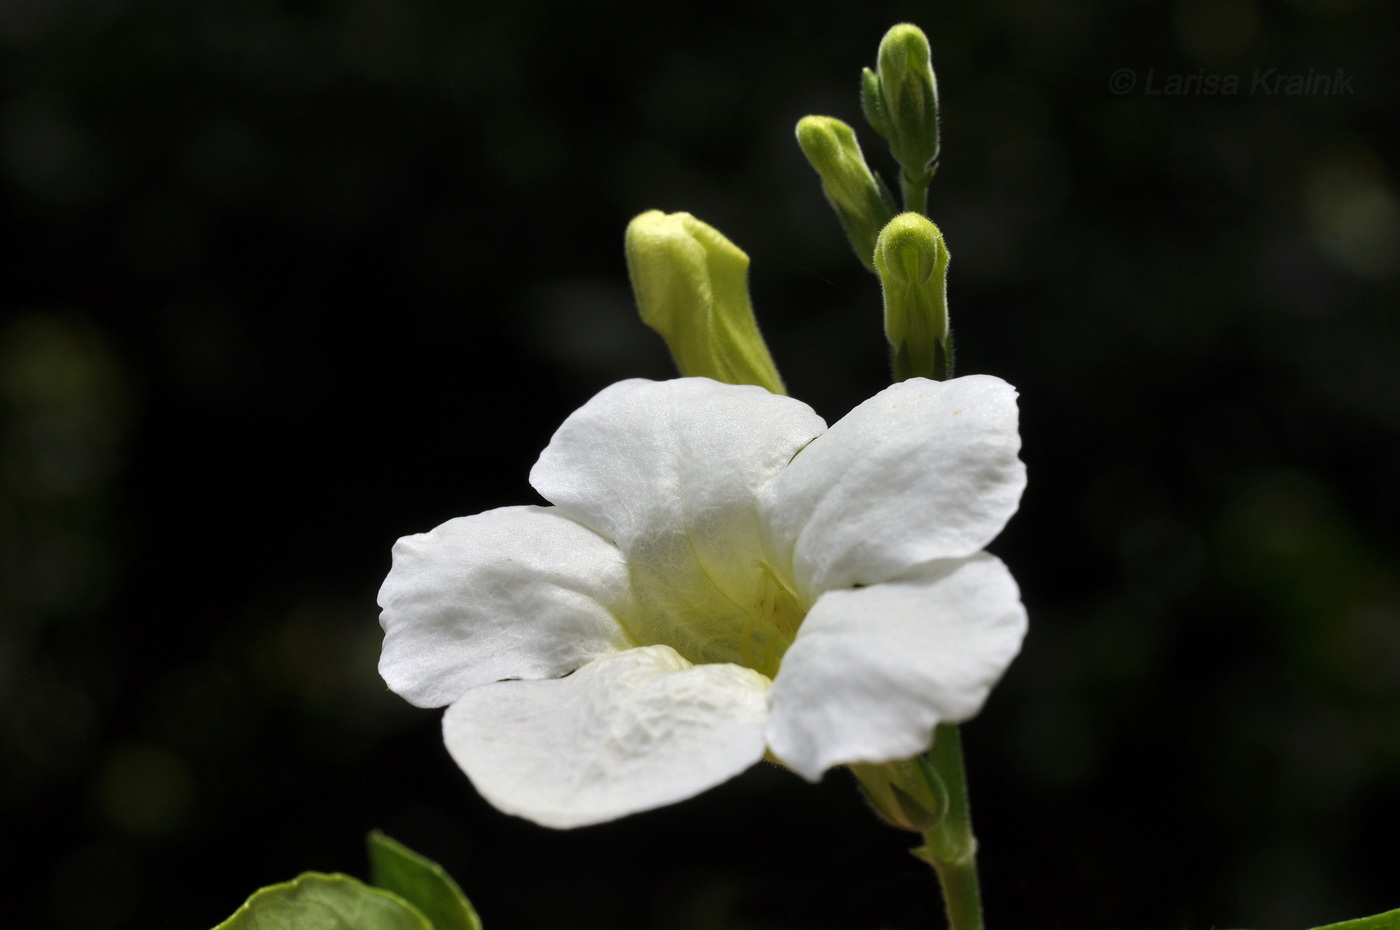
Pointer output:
626, 733
671, 472
518, 592
873, 670
923, 470
643, 457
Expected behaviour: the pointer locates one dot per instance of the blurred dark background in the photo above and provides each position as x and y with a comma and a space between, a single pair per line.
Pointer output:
283, 281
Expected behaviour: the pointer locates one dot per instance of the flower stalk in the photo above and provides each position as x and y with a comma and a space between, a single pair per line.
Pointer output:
928, 795
949, 845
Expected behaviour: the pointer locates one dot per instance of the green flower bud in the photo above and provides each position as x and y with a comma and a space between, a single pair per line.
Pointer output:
860, 199
908, 97
912, 262
691, 286
900, 99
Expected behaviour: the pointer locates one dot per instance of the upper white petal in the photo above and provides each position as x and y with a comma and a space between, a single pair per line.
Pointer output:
873, 670
643, 455
518, 592
671, 472
626, 733
923, 470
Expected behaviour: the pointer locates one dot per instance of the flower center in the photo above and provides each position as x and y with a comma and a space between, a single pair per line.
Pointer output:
747, 616
775, 617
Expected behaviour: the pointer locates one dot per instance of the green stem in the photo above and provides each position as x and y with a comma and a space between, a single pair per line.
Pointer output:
961, 895
950, 846
915, 191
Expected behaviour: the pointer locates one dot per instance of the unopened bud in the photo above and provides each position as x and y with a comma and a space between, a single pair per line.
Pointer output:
859, 197
691, 286
908, 98
912, 262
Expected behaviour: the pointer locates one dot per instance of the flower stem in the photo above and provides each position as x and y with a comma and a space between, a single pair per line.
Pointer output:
914, 191
961, 895
950, 846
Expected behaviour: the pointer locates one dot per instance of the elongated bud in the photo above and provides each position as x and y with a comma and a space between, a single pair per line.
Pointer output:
691, 286
900, 99
908, 97
912, 262
859, 197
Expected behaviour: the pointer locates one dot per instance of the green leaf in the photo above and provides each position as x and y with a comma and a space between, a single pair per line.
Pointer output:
395, 867
1390, 920
315, 901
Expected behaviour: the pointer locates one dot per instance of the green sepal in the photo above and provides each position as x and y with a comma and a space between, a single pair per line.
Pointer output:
924, 854
420, 881
691, 286
871, 104
918, 816
907, 794
930, 778
317, 901
874, 784
912, 262
860, 198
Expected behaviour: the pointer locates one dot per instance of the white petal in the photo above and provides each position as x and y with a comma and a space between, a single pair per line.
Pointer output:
923, 470
875, 669
627, 733
671, 471
646, 454
519, 592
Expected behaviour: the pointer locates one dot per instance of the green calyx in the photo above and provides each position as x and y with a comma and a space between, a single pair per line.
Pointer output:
912, 262
900, 100
907, 794
859, 197
691, 286
928, 795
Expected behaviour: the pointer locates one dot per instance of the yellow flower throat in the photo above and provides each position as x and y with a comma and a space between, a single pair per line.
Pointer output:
747, 617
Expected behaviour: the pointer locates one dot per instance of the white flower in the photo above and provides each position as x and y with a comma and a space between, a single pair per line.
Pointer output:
720, 576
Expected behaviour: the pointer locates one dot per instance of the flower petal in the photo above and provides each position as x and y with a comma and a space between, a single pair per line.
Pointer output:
626, 733
518, 592
923, 470
875, 669
671, 471
642, 454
